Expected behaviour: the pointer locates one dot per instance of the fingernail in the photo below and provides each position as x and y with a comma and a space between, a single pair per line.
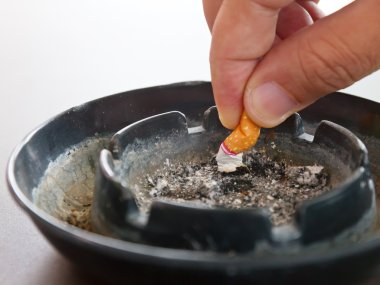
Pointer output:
270, 104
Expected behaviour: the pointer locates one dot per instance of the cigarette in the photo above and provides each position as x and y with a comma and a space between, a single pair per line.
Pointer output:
230, 155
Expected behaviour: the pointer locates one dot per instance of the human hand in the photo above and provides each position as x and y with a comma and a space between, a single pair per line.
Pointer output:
275, 57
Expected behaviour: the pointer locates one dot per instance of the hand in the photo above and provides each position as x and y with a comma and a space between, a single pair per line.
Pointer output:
275, 57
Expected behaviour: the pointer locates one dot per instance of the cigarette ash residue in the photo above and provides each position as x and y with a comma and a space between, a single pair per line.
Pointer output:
280, 174
184, 170
265, 183
66, 189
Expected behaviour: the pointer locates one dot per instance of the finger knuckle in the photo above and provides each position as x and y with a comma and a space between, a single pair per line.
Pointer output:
330, 64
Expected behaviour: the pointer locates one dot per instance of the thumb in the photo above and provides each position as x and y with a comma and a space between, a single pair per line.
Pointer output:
331, 54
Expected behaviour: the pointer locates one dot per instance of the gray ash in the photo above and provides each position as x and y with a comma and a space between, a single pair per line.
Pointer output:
277, 186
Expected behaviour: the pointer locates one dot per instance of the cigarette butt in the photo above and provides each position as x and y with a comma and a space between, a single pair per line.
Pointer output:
229, 157
243, 137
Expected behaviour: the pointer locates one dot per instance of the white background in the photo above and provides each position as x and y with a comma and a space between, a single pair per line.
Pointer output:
57, 54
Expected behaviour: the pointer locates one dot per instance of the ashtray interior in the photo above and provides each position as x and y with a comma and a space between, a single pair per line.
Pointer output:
154, 167
281, 173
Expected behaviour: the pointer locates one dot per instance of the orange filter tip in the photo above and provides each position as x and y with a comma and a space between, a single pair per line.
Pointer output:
245, 136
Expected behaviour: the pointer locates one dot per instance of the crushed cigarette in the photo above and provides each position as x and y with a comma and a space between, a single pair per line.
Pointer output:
230, 156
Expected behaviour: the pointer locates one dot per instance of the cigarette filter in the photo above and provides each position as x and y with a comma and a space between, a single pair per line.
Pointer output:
230, 156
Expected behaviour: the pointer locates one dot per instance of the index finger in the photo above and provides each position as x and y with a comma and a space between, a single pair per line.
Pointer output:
243, 31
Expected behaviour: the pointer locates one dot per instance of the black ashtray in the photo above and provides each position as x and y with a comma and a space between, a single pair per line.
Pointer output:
332, 238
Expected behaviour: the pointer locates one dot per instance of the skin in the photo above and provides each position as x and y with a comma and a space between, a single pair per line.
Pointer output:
275, 57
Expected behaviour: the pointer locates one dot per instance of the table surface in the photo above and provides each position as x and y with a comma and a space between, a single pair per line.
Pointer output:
60, 54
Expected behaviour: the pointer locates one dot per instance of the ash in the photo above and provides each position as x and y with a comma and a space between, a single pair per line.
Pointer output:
66, 189
275, 185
